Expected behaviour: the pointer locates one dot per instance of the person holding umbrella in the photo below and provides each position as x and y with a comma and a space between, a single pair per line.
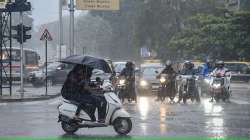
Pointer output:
77, 88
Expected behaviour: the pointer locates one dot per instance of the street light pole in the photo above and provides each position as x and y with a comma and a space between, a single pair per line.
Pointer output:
60, 30
71, 28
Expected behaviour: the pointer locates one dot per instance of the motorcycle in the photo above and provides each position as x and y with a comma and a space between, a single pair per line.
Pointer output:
116, 116
188, 88
124, 92
220, 87
166, 88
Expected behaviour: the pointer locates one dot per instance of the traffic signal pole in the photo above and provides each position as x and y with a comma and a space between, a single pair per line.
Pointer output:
22, 57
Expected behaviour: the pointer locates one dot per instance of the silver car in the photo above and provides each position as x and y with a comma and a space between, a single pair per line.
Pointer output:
147, 81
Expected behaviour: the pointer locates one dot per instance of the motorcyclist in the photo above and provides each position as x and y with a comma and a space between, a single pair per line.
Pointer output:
207, 68
129, 73
77, 88
172, 74
220, 68
205, 72
188, 69
221, 71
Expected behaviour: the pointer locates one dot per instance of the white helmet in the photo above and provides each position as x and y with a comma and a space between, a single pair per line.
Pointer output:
168, 62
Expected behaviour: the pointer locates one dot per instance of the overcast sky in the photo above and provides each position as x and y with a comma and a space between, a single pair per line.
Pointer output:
45, 11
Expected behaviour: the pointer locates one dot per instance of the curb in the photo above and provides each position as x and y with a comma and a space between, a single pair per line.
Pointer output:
40, 98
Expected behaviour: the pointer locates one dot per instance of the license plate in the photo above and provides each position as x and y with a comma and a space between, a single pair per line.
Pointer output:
154, 87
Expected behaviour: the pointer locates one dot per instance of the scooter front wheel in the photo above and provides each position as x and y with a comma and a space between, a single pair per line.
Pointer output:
122, 125
69, 128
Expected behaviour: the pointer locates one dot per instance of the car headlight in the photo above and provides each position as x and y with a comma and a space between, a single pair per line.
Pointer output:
143, 83
162, 79
122, 82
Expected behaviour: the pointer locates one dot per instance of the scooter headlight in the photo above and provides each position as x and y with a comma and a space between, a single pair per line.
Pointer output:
163, 80
217, 85
143, 83
122, 82
207, 81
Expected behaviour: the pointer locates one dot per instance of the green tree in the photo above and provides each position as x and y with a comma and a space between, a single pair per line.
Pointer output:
218, 37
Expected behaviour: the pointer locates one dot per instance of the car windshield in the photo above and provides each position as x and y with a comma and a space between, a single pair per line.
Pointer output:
53, 66
232, 67
237, 67
151, 71
119, 67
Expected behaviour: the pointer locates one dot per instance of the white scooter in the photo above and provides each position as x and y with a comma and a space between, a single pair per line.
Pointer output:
220, 87
116, 116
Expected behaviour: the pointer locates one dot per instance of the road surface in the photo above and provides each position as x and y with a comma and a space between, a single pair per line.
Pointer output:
150, 118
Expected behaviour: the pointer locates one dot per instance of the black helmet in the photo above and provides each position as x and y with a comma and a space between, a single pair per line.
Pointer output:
188, 65
220, 64
129, 64
209, 62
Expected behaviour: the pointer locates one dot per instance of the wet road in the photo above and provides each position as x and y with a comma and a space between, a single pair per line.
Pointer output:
150, 118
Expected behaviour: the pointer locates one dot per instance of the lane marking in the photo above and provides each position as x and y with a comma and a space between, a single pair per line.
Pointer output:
32, 103
240, 102
56, 102
3, 104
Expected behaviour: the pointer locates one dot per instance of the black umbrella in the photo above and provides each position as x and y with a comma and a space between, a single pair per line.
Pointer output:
96, 63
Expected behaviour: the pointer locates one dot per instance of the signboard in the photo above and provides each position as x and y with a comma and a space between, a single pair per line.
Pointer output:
46, 36
98, 4
3, 3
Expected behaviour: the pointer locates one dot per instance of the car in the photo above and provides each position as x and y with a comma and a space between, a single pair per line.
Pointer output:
57, 74
147, 81
240, 71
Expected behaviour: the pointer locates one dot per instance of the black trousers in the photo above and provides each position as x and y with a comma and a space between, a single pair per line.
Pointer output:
98, 102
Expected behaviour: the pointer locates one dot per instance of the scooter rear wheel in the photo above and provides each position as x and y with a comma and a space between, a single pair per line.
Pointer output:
69, 128
122, 126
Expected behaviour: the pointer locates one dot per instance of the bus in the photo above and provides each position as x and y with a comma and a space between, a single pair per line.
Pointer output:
31, 62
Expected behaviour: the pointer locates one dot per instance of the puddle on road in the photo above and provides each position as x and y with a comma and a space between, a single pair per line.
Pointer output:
144, 107
215, 125
163, 117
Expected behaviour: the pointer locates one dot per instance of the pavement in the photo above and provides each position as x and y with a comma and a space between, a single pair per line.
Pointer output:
31, 93
150, 119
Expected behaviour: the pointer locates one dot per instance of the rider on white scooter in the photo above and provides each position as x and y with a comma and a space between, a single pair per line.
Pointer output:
221, 71
77, 88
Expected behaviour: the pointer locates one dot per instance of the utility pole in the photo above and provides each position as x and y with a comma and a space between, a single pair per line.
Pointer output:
60, 30
71, 28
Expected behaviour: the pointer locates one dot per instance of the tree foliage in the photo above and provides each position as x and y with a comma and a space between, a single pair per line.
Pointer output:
215, 36
177, 28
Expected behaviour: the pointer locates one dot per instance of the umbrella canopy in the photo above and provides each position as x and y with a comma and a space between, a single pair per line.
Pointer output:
96, 63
